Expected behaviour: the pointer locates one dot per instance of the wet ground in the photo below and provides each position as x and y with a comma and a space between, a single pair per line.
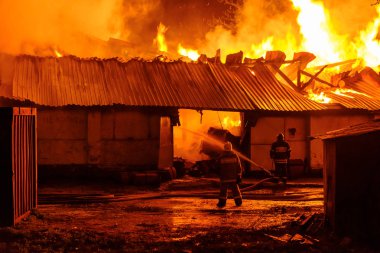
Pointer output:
180, 216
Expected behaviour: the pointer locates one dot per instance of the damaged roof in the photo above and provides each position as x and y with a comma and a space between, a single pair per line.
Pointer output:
69, 80
355, 100
268, 93
359, 129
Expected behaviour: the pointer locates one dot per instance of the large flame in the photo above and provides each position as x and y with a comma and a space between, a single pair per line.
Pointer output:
368, 45
229, 123
190, 53
316, 30
261, 49
160, 40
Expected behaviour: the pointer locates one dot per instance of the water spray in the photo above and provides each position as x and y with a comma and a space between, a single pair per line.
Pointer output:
220, 144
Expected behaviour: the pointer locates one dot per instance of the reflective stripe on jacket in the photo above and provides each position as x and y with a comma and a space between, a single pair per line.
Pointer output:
280, 152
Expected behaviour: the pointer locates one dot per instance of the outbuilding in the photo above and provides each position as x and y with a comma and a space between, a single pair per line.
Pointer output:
352, 179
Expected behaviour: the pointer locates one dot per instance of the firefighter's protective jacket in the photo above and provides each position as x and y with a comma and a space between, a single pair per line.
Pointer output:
280, 152
230, 168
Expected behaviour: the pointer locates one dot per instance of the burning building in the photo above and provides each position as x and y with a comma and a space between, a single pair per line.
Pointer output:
119, 115
107, 116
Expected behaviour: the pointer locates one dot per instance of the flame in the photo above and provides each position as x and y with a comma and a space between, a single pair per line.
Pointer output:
160, 40
320, 98
368, 45
228, 123
343, 92
318, 36
258, 51
190, 53
57, 53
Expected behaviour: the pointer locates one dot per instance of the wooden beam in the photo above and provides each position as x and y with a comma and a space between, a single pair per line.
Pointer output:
299, 76
312, 78
286, 78
331, 65
316, 78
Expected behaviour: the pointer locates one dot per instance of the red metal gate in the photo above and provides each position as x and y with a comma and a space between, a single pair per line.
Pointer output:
18, 164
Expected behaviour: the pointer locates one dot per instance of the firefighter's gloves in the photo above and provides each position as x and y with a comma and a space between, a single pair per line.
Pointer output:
238, 180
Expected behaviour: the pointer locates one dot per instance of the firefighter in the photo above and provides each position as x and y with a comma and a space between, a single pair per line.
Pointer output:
280, 153
230, 172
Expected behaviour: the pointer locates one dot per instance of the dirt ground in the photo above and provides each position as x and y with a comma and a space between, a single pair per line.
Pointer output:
180, 216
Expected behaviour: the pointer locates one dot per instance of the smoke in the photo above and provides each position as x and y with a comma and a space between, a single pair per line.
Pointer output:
126, 28
38, 27
274, 22
256, 21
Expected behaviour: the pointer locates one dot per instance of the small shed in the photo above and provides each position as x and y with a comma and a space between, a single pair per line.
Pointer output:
352, 180
18, 164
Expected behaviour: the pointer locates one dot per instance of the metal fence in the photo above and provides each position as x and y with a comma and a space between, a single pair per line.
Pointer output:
18, 164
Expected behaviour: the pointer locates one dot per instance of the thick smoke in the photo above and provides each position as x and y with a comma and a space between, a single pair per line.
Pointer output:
40, 26
258, 20
126, 28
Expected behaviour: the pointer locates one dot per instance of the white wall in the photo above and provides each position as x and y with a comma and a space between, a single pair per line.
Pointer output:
266, 131
105, 138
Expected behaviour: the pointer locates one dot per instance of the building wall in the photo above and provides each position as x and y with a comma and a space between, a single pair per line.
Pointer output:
62, 136
264, 133
267, 128
105, 138
322, 123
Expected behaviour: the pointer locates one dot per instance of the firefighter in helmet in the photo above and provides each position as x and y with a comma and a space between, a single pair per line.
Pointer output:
280, 153
230, 172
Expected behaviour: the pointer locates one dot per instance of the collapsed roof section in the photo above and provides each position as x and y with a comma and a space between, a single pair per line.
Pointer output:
51, 81
338, 83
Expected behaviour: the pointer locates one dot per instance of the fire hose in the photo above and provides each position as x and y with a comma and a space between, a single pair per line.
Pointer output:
103, 198
252, 187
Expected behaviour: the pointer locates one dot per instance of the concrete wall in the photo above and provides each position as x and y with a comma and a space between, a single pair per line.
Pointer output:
264, 133
268, 127
322, 123
104, 138
62, 137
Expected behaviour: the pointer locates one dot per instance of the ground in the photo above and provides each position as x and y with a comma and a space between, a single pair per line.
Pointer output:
179, 216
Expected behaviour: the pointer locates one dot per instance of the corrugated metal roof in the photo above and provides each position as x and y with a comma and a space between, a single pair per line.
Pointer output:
367, 101
370, 88
363, 128
268, 93
355, 101
70, 80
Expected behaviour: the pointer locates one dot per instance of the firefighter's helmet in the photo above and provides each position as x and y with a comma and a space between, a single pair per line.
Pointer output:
280, 137
228, 146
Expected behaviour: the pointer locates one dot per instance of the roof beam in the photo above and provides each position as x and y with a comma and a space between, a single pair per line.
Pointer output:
312, 78
331, 65
286, 78
315, 78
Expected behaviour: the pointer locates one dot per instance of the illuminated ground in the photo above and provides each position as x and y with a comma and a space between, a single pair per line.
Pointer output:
180, 216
